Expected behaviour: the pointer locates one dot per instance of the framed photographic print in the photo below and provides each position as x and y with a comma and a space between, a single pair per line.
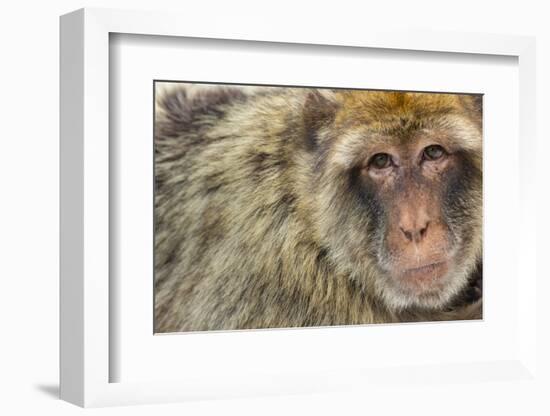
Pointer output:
271, 213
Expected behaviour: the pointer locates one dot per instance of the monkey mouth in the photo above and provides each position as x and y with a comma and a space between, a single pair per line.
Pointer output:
426, 271
426, 278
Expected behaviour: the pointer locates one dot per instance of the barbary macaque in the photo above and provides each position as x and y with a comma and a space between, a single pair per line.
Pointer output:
298, 207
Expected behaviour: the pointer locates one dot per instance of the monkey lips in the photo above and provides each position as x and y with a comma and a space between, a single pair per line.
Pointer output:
423, 279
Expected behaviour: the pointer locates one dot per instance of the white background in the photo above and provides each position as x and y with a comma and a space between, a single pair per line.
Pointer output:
29, 205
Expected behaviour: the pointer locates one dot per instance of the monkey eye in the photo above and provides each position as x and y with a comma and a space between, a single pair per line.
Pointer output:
433, 152
380, 161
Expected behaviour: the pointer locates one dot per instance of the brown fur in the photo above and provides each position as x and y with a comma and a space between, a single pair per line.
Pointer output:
257, 221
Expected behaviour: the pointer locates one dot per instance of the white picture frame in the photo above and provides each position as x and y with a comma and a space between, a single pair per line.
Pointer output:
85, 356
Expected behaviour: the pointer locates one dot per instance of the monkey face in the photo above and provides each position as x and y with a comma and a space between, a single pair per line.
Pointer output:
419, 245
407, 207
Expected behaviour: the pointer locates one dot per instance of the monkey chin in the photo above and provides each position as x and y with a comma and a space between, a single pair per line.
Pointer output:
430, 286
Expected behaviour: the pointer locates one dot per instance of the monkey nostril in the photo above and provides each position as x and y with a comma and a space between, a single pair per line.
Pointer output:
424, 230
407, 234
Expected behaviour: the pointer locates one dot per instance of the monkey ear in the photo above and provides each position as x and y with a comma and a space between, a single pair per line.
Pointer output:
319, 111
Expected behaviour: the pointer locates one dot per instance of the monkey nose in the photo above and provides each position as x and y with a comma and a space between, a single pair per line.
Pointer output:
415, 232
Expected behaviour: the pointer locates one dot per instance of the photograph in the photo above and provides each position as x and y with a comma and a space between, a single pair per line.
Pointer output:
297, 206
